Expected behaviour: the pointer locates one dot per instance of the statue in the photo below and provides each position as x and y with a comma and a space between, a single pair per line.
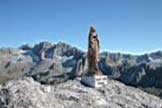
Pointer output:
93, 77
93, 52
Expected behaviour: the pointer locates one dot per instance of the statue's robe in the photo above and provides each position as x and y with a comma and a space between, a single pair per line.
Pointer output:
93, 53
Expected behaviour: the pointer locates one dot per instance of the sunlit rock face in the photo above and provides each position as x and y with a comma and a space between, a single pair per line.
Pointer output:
63, 62
144, 70
27, 93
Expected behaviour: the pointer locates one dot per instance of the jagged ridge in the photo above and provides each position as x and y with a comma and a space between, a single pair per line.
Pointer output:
65, 62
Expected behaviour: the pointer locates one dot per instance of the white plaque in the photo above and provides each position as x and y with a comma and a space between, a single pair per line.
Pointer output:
95, 81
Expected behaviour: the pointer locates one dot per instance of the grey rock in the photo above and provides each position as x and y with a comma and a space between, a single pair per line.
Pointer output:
8, 51
144, 70
69, 62
26, 93
13, 65
4, 98
49, 72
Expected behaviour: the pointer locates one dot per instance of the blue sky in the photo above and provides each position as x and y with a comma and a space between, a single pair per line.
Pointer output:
133, 26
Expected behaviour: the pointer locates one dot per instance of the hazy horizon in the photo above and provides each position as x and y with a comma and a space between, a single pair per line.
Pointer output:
73, 45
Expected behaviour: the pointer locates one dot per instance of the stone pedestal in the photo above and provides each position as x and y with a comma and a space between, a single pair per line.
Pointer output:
94, 81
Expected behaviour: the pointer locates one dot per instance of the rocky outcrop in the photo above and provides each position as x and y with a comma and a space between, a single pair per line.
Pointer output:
26, 93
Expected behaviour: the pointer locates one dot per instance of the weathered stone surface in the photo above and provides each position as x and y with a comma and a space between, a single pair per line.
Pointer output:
26, 93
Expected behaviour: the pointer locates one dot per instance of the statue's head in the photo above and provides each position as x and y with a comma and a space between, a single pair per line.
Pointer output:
92, 34
92, 29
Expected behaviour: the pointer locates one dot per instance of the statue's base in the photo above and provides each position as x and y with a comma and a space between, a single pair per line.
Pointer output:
94, 81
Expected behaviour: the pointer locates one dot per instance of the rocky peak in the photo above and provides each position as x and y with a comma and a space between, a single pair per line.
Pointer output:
26, 47
156, 55
26, 93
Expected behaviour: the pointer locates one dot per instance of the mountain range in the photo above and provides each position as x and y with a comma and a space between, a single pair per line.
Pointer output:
52, 64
